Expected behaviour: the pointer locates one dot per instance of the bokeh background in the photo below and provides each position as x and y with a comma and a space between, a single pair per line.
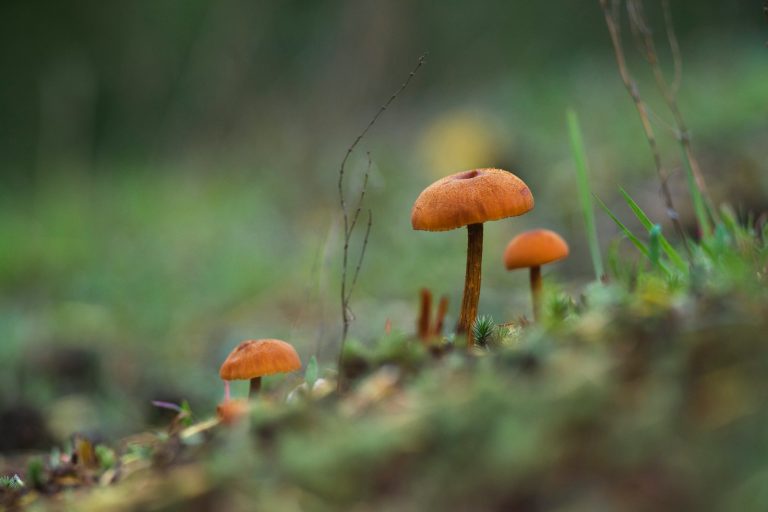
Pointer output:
169, 169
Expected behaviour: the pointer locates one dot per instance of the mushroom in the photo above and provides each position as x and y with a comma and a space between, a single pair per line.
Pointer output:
471, 198
230, 412
532, 249
254, 359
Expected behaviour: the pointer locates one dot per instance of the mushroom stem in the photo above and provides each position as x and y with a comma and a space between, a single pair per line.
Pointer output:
226, 390
424, 314
255, 387
471, 282
442, 309
536, 291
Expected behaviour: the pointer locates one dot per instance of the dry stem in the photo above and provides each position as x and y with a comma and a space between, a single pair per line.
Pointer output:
668, 91
350, 221
611, 14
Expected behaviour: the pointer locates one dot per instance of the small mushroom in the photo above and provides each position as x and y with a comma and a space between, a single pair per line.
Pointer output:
471, 198
532, 249
230, 412
254, 359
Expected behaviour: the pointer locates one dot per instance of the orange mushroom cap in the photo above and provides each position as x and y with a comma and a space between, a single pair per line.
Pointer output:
257, 358
534, 248
470, 197
232, 411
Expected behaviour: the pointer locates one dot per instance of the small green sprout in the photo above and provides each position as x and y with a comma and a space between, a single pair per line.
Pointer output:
484, 330
106, 457
311, 373
654, 253
36, 472
11, 482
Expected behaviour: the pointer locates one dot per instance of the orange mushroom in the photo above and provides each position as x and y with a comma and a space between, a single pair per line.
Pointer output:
230, 412
254, 359
471, 198
532, 249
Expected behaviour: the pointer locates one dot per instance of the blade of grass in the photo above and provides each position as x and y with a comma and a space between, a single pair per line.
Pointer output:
624, 229
631, 236
670, 251
585, 195
699, 207
654, 245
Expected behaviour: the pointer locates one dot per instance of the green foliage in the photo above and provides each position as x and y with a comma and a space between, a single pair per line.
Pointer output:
620, 383
649, 388
311, 372
560, 307
654, 244
624, 229
585, 194
670, 251
703, 217
653, 257
105, 456
483, 331
185, 416
36, 472
11, 482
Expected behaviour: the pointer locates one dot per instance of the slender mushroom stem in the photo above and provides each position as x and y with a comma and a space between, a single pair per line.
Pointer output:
471, 282
226, 390
536, 291
424, 315
442, 309
255, 387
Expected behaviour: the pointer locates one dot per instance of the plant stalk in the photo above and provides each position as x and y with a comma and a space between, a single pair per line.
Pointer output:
424, 315
471, 282
536, 292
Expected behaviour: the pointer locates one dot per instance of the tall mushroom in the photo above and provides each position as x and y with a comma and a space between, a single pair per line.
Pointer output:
471, 198
254, 359
532, 249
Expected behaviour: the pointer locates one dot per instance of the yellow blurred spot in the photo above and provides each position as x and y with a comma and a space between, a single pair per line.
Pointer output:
459, 140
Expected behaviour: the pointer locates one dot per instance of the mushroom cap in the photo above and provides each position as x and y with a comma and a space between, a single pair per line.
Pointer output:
257, 358
470, 197
231, 411
534, 248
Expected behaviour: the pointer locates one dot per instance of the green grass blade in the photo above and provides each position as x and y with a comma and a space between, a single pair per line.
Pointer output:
311, 373
654, 245
670, 251
624, 229
585, 195
631, 236
699, 207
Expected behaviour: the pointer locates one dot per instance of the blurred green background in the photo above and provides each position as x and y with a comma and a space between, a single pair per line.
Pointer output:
168, 174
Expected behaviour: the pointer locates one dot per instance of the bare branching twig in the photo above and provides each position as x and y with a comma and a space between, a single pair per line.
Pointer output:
674, 48
350, 219
611, 13
640, 25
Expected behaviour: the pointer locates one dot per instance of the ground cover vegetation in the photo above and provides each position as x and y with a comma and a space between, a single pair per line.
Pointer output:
641, 386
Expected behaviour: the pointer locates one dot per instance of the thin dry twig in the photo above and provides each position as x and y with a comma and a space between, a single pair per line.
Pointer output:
612, 21
349, 228
350, 221
668, 91
362, 254
674, 48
